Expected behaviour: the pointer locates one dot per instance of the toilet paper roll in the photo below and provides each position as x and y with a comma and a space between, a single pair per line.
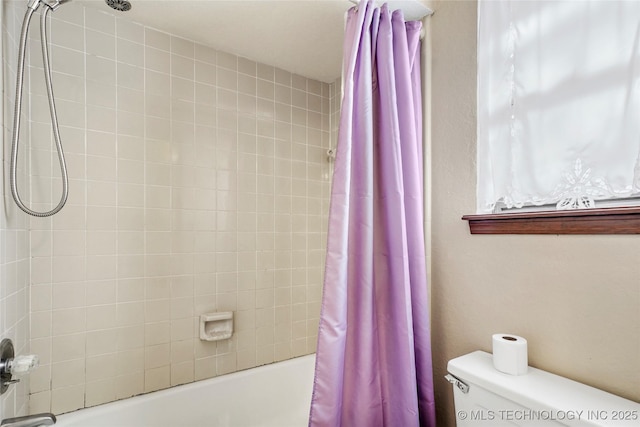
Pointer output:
510, 354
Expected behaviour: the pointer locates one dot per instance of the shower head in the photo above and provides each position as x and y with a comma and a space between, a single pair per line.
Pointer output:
119, 5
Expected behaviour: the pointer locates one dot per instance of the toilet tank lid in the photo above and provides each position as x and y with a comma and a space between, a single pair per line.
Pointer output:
540, 390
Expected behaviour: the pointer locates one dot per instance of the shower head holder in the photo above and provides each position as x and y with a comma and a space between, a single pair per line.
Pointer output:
51, 4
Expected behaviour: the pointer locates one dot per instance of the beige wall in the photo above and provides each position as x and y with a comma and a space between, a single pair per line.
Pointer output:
199, 183
575, 298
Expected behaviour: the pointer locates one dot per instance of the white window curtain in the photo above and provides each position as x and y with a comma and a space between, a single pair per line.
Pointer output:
558, 102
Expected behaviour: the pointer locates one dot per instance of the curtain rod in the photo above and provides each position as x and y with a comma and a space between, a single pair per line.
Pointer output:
413, 10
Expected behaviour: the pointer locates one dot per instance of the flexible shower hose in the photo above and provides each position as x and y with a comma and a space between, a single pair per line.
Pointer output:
52, 108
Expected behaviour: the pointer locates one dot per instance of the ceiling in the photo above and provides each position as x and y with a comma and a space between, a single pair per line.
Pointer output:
301, 36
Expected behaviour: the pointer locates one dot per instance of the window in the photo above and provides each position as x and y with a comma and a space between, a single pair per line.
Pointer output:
558, 105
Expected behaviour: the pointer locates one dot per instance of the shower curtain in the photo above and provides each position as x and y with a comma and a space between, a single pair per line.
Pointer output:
373, 361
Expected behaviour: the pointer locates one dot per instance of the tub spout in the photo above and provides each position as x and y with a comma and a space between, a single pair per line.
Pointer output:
36, 420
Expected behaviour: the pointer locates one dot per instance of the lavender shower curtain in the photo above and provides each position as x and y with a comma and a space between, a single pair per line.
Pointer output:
373, 365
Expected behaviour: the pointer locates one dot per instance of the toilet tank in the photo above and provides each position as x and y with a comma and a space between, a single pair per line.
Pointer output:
486, 397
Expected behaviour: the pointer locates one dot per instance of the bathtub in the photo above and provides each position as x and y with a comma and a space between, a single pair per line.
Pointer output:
276, 395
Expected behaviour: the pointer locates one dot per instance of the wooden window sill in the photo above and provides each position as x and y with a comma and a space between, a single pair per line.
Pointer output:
587, 221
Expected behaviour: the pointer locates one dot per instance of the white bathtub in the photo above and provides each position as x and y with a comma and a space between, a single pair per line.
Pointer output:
276, 395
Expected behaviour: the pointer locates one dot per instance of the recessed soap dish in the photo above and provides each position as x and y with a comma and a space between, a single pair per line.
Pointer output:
216, 326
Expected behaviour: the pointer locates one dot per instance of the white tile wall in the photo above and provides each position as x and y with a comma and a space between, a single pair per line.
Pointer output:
14, 234
199, 182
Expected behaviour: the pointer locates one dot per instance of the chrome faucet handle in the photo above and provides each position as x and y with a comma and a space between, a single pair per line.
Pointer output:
11, 365
36, 420
21, 365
